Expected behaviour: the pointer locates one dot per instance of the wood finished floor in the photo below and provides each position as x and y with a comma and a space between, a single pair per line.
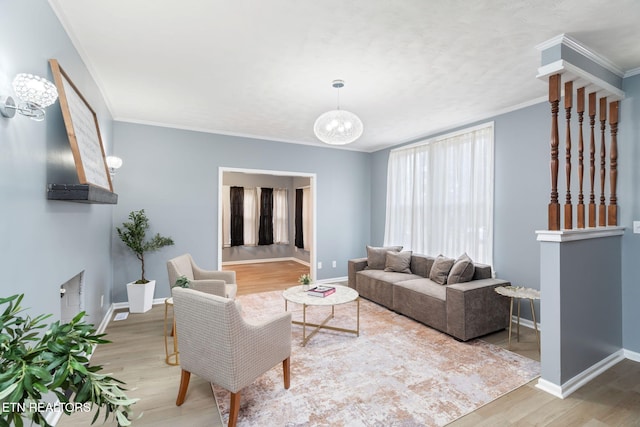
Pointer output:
136, 356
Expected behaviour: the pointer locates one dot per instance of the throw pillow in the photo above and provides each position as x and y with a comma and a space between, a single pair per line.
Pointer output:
400, 262
440, 269
462, 270
377, 257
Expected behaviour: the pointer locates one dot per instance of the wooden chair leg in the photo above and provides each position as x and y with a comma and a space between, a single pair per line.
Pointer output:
286, 369
184, 384
235, 409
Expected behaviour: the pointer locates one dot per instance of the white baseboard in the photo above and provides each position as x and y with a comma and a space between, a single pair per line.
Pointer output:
256, 261
632, 355
525, 322
333, 280
582, 378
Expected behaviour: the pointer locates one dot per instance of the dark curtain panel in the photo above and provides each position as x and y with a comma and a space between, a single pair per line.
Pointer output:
299, 236
237, 216
265, 231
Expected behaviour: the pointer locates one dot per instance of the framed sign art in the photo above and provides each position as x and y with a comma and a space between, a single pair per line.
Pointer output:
83, 130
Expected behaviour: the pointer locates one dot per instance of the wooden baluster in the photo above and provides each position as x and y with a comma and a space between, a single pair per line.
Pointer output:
602, 209
580, 110
568, 105
612, 217
554, 99
592, 159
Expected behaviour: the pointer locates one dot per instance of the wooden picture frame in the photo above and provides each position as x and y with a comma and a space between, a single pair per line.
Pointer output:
83, 130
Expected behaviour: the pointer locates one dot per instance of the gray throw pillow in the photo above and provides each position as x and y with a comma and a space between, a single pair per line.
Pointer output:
400, 262
377, 256
462, 270
440, 269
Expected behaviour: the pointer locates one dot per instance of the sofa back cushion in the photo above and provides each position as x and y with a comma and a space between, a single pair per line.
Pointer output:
482, 271
462, 270
440, 269
377, 256
399, 262
421, 264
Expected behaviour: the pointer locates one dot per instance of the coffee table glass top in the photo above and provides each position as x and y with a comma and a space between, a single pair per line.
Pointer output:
342, 295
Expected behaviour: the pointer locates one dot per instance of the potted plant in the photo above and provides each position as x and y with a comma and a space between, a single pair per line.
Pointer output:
305, 281
133, 234
35, 361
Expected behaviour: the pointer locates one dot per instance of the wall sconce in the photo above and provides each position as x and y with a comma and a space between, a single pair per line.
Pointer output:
35, 94
113, 163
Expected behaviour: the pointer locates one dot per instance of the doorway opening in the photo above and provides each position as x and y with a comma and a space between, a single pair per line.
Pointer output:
245, 258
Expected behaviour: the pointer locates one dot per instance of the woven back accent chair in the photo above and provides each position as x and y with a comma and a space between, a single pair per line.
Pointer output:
218, 345
222, 283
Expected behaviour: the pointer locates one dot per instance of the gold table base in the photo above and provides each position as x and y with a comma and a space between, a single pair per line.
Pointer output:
323, 325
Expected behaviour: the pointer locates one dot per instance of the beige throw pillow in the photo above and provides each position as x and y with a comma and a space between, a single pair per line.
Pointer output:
440, 269
377, 256
400, 262
462, 270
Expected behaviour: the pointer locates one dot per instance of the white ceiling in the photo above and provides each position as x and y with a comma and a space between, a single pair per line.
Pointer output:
264, 68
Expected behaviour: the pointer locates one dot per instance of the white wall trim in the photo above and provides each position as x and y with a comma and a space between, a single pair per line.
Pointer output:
526, 323
578, 234
632, 72
632, 355
105, 320
582, 378
581, 78
583, 50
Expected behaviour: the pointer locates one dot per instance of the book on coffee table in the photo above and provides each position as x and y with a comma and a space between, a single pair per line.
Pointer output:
321, 291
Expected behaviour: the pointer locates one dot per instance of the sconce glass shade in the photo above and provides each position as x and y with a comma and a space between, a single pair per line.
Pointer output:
113, 163
338, 127
35, 90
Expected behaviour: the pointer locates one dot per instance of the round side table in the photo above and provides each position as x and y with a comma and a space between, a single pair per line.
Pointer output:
520, 292
173, 357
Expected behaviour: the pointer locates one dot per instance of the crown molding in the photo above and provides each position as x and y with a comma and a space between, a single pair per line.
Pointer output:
585, 51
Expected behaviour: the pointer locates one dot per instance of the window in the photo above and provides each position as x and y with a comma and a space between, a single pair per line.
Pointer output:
440, 195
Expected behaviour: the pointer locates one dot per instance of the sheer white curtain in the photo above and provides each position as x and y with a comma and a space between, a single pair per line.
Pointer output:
440, 196
280, 216
251, 216
307, 214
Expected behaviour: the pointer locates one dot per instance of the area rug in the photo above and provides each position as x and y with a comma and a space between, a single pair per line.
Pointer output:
398, 372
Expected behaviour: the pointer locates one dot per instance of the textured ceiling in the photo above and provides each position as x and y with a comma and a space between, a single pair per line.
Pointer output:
264, 68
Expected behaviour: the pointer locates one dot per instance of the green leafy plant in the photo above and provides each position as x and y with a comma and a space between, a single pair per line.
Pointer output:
305, 279
133, 233
35, 360
182, 281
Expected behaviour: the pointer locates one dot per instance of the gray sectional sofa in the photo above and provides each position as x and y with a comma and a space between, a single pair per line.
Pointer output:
464, 310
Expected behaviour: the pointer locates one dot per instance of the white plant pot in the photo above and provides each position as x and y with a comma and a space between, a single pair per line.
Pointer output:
140, 296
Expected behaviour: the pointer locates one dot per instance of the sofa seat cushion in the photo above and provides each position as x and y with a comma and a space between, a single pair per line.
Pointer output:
423, 300
377, 285
425, 286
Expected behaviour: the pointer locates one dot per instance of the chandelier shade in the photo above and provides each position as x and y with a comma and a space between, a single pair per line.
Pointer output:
338, 127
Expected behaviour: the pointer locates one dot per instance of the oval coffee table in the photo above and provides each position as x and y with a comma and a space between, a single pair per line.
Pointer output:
342, 295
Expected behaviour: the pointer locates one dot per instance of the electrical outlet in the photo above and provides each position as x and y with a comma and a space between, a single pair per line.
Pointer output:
333, 264
636, 227
101, 300
319, 265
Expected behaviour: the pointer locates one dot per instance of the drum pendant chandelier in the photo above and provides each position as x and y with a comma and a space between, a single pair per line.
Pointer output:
338, 127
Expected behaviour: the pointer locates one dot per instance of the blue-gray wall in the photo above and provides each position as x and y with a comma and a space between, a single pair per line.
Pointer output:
45, 243
629, 199
173, 174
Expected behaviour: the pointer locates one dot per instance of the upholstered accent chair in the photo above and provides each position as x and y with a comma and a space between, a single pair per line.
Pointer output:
218, 345
222, 283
